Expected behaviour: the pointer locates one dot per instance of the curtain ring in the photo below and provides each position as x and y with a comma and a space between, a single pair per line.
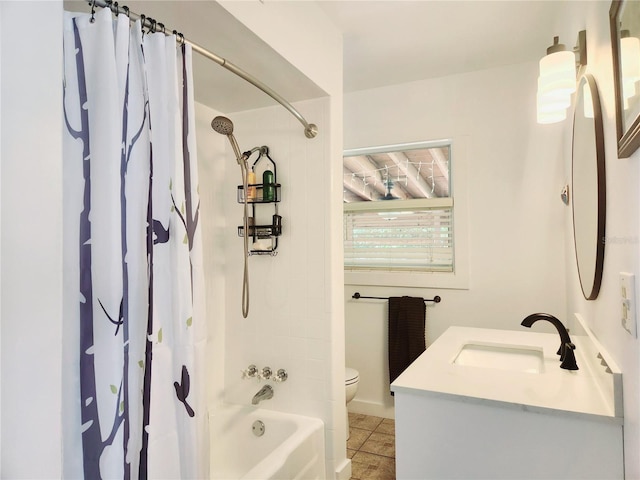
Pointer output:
126, 10
153, 25
111, 7
179, 37
161, 25
93, 11
143, 20
116, 9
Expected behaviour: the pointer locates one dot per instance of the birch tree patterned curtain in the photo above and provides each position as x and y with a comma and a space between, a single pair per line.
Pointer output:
134, 308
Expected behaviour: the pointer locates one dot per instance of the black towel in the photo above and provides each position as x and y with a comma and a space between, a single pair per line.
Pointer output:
406, 333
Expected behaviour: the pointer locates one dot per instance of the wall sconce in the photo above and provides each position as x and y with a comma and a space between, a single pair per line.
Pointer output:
557, 80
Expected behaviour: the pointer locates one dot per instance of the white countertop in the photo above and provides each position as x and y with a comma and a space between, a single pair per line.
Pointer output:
553, 390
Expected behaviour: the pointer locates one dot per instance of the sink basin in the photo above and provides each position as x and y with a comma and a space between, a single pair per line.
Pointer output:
500, 357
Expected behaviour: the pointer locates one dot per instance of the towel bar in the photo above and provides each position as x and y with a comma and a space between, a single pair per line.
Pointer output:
357, 295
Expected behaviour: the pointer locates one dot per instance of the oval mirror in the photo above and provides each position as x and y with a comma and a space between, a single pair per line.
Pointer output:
588, 185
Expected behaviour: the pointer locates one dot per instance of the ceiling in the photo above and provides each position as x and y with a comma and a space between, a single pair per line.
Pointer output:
397, 41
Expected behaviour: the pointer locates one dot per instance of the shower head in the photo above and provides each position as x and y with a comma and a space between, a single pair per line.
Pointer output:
222, 125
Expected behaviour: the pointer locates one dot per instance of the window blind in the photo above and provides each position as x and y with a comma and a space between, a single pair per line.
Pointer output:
413, 239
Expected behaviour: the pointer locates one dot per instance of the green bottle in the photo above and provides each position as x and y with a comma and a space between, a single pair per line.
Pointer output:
268, 187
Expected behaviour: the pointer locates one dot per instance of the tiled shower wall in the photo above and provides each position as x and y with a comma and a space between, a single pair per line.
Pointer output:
290, 324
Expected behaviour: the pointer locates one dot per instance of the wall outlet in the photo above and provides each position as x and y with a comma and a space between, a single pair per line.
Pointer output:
628, 303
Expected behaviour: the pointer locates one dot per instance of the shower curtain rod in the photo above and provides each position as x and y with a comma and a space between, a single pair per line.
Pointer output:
310, 129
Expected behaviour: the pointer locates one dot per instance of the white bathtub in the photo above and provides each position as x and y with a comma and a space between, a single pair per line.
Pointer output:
292, 446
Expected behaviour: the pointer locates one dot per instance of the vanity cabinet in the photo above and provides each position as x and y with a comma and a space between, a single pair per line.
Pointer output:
471, 422
440, 437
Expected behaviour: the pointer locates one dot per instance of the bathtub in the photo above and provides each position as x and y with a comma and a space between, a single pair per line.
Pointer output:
291, 447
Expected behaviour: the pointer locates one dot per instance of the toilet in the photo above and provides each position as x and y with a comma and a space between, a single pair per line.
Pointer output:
351, 378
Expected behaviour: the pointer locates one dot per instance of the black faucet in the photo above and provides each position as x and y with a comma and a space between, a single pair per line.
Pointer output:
567, 357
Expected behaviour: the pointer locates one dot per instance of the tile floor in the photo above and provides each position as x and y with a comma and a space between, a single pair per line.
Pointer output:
372, 447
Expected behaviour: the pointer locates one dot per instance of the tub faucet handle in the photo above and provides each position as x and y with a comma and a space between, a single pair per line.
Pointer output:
265, 373
281, 375
251, 371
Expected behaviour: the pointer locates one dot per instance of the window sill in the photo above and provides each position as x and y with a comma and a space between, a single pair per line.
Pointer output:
457, 280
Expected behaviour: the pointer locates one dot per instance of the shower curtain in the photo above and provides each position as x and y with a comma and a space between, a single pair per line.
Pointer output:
134, 327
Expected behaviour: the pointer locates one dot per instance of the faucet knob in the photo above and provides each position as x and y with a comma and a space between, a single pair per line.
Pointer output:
568, 358
251, 371
266, 373
281, 375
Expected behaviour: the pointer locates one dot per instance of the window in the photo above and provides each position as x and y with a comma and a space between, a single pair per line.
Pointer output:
398, 210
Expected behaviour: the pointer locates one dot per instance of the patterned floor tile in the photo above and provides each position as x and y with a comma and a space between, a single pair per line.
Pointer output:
387, 426
357, 438
371, 447
365, 466
366, 422
380, 444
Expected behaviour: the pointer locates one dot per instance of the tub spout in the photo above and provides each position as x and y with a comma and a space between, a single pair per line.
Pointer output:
567, 357
265, 393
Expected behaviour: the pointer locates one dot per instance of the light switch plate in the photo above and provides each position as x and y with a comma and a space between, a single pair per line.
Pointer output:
628, 303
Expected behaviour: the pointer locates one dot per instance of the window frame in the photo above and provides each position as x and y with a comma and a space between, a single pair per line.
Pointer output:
459, 278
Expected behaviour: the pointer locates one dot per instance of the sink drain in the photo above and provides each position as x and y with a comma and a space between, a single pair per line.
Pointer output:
258, 428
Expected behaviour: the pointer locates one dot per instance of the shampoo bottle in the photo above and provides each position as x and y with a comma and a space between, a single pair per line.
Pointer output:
251, 186
268, 187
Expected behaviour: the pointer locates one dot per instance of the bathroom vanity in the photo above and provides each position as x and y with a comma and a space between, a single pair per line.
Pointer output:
484, 403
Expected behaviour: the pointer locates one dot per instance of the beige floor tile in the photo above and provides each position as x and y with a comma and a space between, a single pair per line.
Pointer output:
357, 438
371, 447
380, 444
366, 422
365, 466
387, 426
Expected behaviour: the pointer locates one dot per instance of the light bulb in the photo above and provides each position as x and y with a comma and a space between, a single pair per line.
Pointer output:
557, 73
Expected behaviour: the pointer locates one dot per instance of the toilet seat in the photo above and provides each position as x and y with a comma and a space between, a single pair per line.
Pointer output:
351, 376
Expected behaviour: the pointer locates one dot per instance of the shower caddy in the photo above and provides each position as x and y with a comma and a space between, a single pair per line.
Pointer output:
265, 194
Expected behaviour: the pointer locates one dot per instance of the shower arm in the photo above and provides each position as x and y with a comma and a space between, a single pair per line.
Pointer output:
310, 129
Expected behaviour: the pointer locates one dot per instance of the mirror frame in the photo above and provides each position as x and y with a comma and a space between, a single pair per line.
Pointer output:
629, 136
590, 292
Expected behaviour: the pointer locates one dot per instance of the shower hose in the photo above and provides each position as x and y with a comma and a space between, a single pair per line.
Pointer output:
245, 275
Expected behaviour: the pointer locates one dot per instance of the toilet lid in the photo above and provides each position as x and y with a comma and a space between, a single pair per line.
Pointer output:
351, 376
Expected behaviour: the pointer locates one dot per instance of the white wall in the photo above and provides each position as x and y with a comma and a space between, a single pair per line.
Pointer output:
302, 34
31, 252
622, 232
511, 172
